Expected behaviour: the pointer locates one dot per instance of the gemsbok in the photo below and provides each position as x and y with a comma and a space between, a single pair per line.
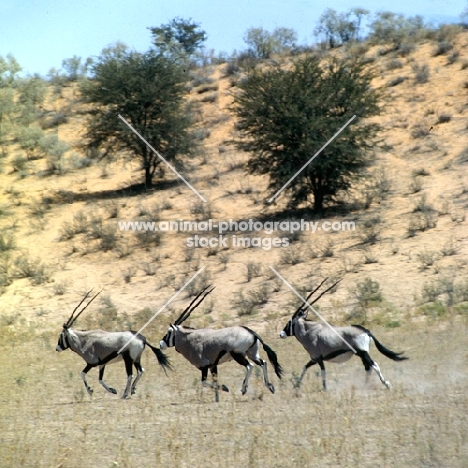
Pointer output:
206, 348
99, 348
335, 344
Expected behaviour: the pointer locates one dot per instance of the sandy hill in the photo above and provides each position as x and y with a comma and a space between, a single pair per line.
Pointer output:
411, 228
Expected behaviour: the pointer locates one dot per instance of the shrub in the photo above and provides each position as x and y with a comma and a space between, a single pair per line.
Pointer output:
7, 242
396, 81
394, 64
442, 48
426, 258
421, 73
253, 270
444, 118
293, 255
35, 270
419, 131
366, 294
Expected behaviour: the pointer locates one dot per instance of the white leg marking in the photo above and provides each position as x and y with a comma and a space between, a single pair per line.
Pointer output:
265, 378
88, 388
246, 380
376, 367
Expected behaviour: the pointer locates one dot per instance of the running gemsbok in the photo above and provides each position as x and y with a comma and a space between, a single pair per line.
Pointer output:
99, 348
335, 344
206, 348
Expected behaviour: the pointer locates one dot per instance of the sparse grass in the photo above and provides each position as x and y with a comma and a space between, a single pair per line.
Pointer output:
253, 270
370, 257
421, 221
419, 131
148, 239
420, 171
448, 249
416, 184
128, 274
370, 231
212, 97
149, 268
327, 248
223, 259
59, 288
349, 404
442, 48
394, 64
201, 210
34, 269
426, 258
7, 242
444, 118
292, 255
421, 73
396, 81
422, 205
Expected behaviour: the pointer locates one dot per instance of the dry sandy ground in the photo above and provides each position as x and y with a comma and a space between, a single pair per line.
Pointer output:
48, 420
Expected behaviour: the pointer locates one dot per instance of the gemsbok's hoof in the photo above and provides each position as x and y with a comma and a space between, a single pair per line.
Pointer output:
113, 390
271, 388
224, 388
90, 391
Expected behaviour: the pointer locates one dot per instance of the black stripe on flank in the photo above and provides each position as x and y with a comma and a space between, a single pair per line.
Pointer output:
335, 354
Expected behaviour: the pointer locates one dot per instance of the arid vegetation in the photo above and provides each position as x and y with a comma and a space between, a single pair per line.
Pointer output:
403, 269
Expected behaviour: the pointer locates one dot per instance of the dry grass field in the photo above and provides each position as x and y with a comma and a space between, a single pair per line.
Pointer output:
59, 237
48, 420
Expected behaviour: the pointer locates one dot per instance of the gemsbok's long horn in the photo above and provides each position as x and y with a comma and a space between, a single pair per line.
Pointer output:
82, 310
70, 320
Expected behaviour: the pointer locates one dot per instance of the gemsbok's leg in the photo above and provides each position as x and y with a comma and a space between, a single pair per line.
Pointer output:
369, 364
255, 357
309, 364
243, 361
214, 376
324, 374
128, 368
101, 381
83, 376
140, 371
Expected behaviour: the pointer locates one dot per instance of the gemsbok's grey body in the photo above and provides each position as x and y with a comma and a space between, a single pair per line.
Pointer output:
206, 348
334, 344
99, 348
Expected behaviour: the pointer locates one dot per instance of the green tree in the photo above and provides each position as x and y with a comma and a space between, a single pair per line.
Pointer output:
179, 33
262, 44
9, 67
147, 89
393, 28
286, 116
7, 107
75, 68
339, 28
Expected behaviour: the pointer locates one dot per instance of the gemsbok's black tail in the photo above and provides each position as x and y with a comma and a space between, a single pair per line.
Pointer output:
272, 357
163, 360
385, 351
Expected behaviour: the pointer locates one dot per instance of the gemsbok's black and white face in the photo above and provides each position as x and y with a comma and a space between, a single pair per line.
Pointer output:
63, 344
169, 339
288, 330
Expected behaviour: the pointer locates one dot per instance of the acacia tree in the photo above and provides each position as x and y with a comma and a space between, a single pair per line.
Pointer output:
147, 89
179, 33
286, 116
338, 28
